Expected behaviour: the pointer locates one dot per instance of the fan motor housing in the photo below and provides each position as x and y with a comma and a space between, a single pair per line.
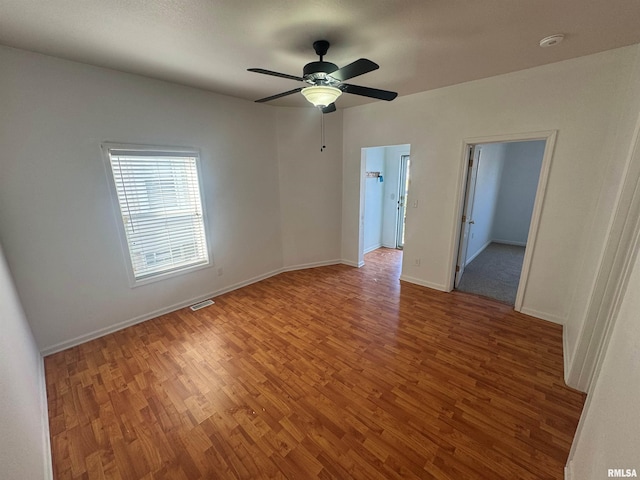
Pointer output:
313, 68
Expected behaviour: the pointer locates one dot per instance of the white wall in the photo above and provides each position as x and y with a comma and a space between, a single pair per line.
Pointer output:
57, 223
373, 199
490, 167
518, 185
273, 199
24, 445
580, 98
608, 433
310, 184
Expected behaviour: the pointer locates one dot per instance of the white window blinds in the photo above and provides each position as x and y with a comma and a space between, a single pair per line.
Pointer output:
159, 197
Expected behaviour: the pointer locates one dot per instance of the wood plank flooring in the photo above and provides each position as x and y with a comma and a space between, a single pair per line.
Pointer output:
327, 373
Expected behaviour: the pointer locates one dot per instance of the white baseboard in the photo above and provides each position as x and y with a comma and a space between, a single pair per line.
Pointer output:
44, 414
423, 283
470, 259
58, 347
543, 315
568, 470
565, 354
371, 249
352, 264
510, 242
304, 266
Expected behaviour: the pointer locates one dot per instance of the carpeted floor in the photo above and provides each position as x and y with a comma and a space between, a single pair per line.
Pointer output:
494, 273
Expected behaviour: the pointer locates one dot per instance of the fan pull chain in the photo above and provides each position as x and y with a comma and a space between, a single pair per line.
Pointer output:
322, 145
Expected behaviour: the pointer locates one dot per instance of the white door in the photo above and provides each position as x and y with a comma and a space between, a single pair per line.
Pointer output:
467, 215
403, 195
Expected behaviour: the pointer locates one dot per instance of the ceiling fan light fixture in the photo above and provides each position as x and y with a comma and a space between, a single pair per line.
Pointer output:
321, 95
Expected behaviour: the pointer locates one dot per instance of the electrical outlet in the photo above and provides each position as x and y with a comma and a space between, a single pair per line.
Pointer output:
416, 262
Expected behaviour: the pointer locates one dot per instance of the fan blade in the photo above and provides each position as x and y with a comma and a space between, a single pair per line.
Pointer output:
283, 94
329, 108
369, 92
275, 74
359, 67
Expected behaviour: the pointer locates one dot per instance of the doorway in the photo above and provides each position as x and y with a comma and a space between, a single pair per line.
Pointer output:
384, 187
502, 196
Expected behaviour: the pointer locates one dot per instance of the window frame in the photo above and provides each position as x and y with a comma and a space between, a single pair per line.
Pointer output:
107, 148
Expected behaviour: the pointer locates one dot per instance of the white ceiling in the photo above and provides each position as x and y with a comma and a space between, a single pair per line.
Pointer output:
419, 44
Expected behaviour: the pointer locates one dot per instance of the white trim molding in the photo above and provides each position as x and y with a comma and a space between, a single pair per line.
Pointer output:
565, 354
568, 470
510, 242
44, 409
304, 266
351, 263
423, 283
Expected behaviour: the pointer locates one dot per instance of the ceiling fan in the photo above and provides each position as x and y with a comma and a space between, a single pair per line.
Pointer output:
326, 81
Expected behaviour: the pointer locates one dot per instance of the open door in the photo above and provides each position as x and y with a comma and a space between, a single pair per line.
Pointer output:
403, 195
467, 216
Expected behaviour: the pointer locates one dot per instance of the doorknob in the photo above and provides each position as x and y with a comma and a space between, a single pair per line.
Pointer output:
471, 222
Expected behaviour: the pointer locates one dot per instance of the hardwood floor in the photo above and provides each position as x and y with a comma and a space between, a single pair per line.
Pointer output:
327, 373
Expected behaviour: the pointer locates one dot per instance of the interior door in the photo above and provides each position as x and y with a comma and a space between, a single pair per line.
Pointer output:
467, 215
403, 195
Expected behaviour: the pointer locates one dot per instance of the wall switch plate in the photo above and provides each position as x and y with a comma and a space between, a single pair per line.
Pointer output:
416, 262
415, 204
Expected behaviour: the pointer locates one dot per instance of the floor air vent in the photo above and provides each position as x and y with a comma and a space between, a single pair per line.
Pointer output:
198, 306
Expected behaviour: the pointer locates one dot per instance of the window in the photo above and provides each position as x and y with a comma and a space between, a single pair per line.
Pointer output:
158, 196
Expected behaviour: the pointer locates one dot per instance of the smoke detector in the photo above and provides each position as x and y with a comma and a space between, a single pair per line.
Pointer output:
551, 40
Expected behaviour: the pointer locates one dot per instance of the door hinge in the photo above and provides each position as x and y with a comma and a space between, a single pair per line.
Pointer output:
470, 157
464, 218
457, 268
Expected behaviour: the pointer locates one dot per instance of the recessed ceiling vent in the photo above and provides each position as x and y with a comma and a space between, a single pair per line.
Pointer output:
551, 40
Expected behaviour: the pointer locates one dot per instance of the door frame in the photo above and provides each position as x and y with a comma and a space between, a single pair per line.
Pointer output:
401, 211
473, 156
549, 136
